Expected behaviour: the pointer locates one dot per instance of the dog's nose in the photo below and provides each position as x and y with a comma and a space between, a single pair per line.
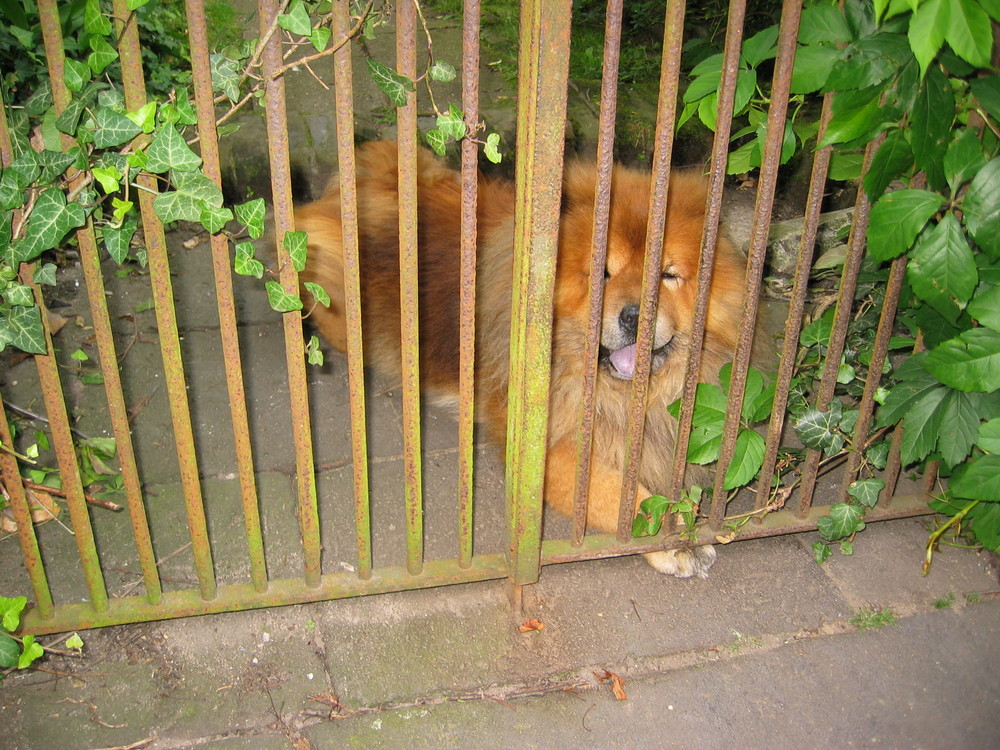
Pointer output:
628, 321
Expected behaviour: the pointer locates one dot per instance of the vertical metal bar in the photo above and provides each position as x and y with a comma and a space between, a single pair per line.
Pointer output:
48, 368
22, 516
673, 37
209, 143
343, 85
790, 13
880, 350
406, 117
543, 70
598, 261
710, 236
845, 302
166, 319
467, 299
796, 309
281, 190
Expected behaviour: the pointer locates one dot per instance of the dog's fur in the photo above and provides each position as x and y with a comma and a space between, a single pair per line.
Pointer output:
439, 200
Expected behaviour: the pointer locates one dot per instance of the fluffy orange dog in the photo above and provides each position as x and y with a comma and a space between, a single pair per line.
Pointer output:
439, 195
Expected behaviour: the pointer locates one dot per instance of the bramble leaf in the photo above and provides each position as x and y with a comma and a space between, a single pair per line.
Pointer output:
748, 457
896, 220
942, 268
981, 206
968, 362
978, 480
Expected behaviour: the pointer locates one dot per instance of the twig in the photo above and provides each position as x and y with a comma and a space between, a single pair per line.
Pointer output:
100, 503
39, 418
134, 745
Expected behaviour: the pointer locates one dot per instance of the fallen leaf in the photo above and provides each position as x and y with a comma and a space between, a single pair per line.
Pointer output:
617, 684
530, 626
43, 506
727, 538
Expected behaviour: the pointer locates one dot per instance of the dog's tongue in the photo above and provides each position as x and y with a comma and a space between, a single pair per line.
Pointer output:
623, 360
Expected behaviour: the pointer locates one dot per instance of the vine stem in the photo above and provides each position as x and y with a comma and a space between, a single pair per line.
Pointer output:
932, 540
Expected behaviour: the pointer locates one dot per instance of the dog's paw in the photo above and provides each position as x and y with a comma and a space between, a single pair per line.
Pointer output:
683, 563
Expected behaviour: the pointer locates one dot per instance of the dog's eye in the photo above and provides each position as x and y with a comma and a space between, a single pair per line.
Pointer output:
669, 275
607, 274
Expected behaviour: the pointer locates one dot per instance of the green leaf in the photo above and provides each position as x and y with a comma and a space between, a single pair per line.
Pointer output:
442, 71
987, 93
45, 274
989, 436
978, 480
818, 429
984, 520
214, 219
812, 68
985, 308
320, 38
854, 115
251, 215
492, 148
168, 151
866, 491
297, 247
896, 220
821, 551
145, 117
748, 457
76, 75
963, 159
22, 329
113, 129
19, 294
843, 521
437, 140
102, 56
319, 293
928, 27
226, 76
10, 611
296, 20
930, 120
392, 84
245, 264
970, 32
94, 21
10, 651
982, 208
74, 642
452, 123
968, 362
942, 269
892, 159
29, 652
118, 240
51, 220
314, 353
823, 24
760, 47
194, 193
280, 300
108, 178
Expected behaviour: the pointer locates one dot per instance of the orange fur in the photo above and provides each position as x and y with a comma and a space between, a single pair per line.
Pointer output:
439, 200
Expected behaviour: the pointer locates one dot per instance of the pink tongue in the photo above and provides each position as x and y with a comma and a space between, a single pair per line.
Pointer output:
624, 361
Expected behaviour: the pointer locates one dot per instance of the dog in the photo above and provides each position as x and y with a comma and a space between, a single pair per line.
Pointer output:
439, 202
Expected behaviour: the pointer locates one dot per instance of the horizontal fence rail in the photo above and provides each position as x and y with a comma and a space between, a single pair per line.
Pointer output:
321, 519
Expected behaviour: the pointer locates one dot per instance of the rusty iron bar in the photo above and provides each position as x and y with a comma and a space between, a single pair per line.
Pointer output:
281, 193
842, 317
16, 496
880, 350
166, 319
209, 141
344, 99
543, 74
48, 367
406, 143
598, 262
780, 89
467, 293
710, 238
796, 308
673, 33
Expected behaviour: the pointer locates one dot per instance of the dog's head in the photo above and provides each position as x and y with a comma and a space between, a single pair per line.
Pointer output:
623, 274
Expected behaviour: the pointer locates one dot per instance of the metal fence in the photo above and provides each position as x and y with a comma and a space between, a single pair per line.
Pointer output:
542, 87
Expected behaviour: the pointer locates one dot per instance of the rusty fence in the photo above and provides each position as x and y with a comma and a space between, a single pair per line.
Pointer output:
543, 71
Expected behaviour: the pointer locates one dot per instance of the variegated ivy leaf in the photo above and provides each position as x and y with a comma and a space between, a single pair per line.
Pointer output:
245, 264
392, 84
169, 152
101, 56
280, 300
319, 293
866, 491
113, 129
295, 245
251, 215
118, 240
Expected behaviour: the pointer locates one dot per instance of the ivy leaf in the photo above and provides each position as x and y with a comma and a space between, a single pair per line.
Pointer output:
319, 293
10, 611
968, 362
169, 151
319, 38
942, 268
19, 294
437, 140
245, 264
392, 84
443, 72
194, 193
928, 27
314, 353
45, 274
30, 650
978, 480
10, 651
113, 129
843, 521
225, 76
892, 159
22, 328
452, 123
76, 74
896, 220
821, 551
970, 32
296, 20
296, 245
982, 208
214, 219
145, 117
53, 164
118, 240
94, 21
748, 457
492, 148
51, 220
866, 491
108, 178
818, 429
251, 215
102, 55
280, 300
930, 120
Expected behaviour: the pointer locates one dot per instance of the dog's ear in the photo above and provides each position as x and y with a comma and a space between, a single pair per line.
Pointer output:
579, 186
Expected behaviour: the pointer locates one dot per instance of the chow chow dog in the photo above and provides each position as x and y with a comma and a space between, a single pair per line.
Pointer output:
439, 201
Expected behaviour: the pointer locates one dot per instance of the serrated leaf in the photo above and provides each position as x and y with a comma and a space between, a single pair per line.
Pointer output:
297, 247
968, 362
22, 328
930, 125
985, 308
989, 436
251, 215
963, 159
866, 491
319, 293
854, 115
927, 30
245, 263
280, 300
748, 457
118, 240
969, 32
978, 480
942, 269
812, 68
892, 159
169, 152
113, 129
843, 521
981, 206
984, 520
823, 24
392, 84
987, 93
896, 220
